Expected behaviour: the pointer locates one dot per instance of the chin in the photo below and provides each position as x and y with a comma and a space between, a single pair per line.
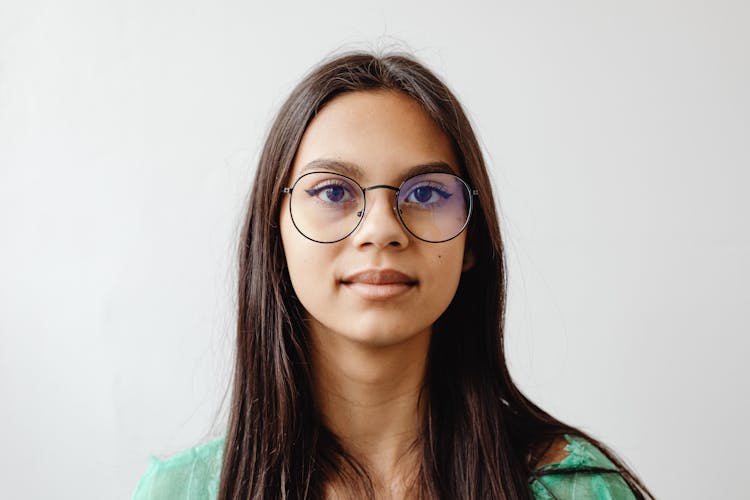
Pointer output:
380, 336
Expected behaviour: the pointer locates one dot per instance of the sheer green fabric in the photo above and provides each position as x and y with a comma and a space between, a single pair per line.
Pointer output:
194, 475
576, 482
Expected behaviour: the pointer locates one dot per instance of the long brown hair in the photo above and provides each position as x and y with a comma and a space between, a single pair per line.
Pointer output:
480, 437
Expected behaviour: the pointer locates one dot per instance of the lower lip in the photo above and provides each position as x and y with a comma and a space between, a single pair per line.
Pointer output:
379, 292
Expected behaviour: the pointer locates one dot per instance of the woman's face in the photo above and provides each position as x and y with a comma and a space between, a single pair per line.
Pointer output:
379, 136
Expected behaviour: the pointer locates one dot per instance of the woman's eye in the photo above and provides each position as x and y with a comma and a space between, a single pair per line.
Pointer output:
331, 193
425, 195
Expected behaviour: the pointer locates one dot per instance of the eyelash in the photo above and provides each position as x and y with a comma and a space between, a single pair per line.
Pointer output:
327, 184
436, 188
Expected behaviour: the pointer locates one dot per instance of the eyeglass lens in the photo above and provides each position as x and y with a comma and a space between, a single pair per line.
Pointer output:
327, 207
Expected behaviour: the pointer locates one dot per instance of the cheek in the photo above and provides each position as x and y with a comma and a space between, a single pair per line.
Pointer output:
294, 250
308, 263
444, 273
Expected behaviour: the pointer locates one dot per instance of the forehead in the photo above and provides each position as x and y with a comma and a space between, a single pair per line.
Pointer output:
384, 136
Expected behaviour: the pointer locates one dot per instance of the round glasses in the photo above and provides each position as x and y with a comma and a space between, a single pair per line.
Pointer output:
326, 207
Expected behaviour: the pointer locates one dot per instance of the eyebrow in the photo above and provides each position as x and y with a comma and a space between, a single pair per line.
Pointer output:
356, 172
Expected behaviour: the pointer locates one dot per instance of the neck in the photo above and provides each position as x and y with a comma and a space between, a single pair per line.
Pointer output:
369, 398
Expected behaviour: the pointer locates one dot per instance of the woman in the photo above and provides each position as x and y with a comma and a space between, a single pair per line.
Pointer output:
370, 359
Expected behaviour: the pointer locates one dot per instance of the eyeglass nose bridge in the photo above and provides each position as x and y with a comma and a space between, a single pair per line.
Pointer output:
379, 186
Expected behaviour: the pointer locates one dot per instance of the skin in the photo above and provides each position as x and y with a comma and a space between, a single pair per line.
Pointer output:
369, 355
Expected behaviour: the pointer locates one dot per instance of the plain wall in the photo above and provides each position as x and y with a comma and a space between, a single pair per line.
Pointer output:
617, 134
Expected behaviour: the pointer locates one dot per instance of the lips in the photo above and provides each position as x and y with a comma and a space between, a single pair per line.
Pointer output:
380, 277
379, 284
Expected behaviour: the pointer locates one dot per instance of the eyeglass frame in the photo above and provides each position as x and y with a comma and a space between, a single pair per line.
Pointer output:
361, 213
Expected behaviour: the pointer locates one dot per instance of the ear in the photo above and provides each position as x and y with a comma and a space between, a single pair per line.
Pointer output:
469, 259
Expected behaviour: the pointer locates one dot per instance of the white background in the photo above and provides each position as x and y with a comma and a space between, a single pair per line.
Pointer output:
617, 134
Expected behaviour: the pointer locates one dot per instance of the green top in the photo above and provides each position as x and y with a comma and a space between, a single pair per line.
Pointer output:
194, 475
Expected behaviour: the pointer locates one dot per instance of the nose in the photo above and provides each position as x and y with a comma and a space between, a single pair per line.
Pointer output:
380, 225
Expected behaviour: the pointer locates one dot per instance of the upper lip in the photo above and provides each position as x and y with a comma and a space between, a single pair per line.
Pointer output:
379, 277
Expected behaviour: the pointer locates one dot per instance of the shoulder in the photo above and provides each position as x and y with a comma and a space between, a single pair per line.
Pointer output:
573, 468
191, 474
